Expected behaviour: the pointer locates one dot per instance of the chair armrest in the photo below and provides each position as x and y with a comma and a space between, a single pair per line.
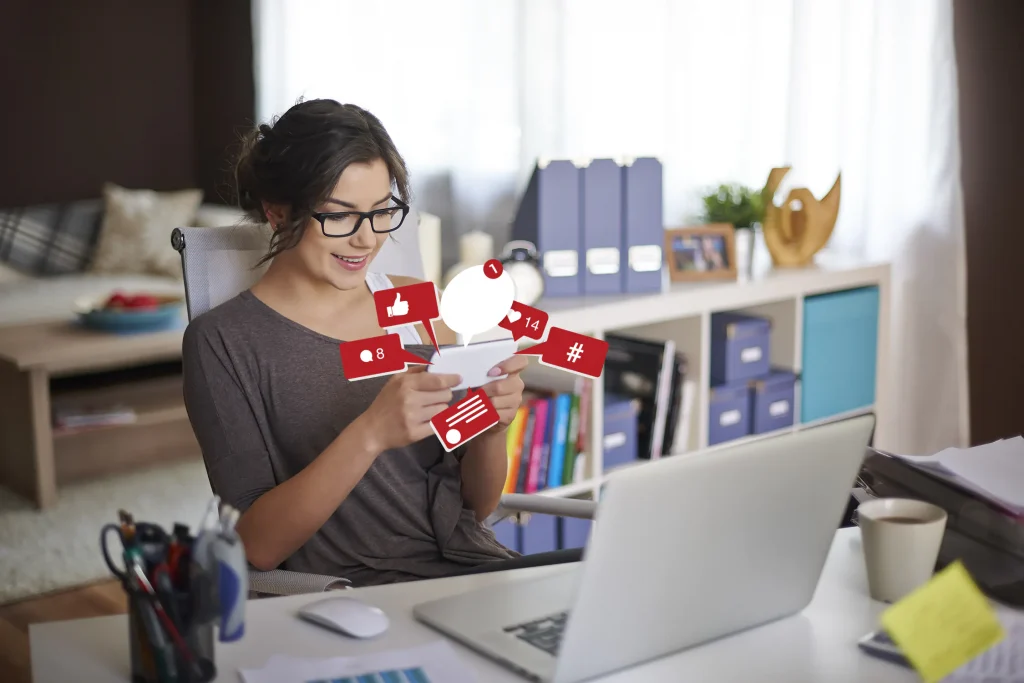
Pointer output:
546, 505
283, 582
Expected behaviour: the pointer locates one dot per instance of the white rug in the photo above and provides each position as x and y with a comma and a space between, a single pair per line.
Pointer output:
42, 552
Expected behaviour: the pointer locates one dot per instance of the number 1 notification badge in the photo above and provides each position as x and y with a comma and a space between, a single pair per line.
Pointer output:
376, 356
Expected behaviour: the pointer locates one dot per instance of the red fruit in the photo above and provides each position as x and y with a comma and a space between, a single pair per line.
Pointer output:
116, 300
143, 301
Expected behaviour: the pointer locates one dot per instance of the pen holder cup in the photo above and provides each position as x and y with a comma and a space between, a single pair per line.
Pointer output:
163, 661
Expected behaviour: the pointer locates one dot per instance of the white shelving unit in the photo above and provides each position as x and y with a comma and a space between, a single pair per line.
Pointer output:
683, 313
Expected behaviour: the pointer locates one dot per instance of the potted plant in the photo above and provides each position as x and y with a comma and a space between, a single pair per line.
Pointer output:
741, 207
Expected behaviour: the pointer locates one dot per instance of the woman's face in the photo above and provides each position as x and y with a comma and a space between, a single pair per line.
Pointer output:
343, 261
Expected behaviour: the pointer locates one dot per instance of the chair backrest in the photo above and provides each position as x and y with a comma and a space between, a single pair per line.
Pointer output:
218, 263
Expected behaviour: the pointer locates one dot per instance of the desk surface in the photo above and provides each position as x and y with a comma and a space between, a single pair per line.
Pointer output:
818, 645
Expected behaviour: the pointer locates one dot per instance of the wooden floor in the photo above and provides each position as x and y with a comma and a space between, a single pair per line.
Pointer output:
91, 601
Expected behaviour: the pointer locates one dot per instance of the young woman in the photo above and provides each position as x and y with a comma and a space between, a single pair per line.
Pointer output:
331, 476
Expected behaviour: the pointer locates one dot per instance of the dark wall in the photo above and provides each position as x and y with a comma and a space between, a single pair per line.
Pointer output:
119, 90
990, 60
222, 87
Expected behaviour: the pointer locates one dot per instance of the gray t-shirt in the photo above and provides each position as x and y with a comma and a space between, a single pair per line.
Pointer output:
266, 396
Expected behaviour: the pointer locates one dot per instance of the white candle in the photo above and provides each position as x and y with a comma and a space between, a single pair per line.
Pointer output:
475, 248
430, 247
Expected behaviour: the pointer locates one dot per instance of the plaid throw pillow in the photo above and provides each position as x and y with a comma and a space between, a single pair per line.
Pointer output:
50, 239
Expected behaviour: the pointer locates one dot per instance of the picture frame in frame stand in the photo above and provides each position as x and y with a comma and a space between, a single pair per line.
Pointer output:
701, 252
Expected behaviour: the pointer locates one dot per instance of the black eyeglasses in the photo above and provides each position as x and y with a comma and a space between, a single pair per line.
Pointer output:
345, 223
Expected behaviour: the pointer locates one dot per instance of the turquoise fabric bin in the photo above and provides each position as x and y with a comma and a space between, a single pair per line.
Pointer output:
840, 348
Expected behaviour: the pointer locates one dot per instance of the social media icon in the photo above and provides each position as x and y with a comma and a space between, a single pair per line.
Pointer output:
525, 321
398, 308
408, 305
476, 300
376, 356
576, 353
493, 269
464, 420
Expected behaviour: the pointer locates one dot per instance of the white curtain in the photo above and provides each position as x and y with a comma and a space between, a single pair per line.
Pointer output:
721, 90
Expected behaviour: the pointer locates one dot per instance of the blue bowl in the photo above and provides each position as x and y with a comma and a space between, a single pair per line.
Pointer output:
125, 321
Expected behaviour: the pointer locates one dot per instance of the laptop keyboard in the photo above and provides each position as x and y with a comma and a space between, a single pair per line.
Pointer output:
545, 633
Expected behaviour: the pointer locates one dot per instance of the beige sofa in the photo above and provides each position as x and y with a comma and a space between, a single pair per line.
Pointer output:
26, 298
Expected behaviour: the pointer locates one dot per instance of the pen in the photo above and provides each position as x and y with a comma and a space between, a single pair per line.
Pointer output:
177, 554
127, 527
165, 591
162, 614
167, 671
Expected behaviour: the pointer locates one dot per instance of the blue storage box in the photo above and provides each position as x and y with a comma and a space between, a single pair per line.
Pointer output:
621, 414
507, 533
840, 347
739, 347
575, 532
771, 401
539, 533
729, 412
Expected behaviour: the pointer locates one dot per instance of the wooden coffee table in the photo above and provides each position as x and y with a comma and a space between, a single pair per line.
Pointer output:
61, 364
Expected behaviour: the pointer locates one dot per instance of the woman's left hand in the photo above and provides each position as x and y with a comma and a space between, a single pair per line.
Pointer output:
507, 394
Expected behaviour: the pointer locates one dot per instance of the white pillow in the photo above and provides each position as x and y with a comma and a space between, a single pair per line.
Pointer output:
135, 236
218, 216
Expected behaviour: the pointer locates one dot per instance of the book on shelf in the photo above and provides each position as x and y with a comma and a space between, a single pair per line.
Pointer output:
545, 440
652, 372
67, 419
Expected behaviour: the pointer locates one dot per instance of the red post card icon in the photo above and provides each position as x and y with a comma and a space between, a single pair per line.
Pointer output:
525, 321
376, 356
465, 419
570, 351
408, 305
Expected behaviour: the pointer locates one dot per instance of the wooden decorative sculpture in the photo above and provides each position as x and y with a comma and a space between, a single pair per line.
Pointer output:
794, 236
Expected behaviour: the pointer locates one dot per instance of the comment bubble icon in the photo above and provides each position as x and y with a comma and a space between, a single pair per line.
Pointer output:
473, 302
376, 356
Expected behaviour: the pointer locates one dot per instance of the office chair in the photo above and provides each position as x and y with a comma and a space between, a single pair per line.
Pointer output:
218, 263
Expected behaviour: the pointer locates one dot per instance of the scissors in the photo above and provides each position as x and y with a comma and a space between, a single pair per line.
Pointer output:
120, 573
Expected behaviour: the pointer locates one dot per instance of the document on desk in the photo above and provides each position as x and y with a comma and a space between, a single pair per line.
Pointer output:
993, 470
947, 626
1003, 663
436, 662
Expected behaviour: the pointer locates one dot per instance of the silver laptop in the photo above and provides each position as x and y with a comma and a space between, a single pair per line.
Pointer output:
686, 549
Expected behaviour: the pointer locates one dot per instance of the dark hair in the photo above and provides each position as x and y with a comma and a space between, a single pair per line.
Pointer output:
297, 162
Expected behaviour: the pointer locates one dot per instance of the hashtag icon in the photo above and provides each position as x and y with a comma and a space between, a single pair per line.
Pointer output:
575, 351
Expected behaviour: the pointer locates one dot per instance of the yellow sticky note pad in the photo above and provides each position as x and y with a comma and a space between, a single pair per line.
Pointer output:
943, 624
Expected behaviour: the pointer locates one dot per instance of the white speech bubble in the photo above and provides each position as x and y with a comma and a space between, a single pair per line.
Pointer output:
473, 303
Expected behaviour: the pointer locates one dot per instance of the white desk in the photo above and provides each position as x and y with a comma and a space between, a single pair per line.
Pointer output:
817, 646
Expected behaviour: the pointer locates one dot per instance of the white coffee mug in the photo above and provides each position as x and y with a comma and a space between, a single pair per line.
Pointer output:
901, 539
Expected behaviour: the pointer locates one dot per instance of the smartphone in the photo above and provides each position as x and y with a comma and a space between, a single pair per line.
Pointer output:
472, 362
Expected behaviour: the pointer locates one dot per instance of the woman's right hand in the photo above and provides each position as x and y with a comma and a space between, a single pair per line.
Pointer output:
401, 413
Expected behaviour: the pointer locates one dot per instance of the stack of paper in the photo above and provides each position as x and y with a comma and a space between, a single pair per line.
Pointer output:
434, 663
994, 471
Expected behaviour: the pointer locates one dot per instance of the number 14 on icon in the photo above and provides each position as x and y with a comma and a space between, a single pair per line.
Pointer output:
525, 321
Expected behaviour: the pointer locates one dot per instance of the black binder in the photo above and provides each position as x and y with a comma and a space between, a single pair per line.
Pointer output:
987, 539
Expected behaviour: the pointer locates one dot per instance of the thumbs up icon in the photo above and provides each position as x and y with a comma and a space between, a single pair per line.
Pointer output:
398, 308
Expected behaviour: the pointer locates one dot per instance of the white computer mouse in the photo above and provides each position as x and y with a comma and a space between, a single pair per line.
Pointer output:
347, 616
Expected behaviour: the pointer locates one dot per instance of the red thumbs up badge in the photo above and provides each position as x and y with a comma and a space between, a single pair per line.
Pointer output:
408, 305
376, 356
577, 353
